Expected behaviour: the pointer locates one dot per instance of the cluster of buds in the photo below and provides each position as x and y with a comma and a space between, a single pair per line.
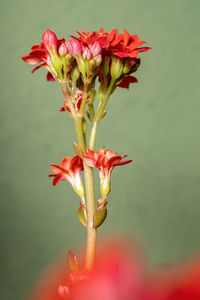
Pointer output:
88, 58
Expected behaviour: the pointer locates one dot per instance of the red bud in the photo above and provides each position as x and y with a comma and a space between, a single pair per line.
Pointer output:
74, 47
95, 49
50, 41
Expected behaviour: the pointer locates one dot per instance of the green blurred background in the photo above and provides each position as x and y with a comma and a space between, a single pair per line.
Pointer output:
156, 123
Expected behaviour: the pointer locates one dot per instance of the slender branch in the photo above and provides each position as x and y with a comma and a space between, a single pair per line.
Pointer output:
97, 118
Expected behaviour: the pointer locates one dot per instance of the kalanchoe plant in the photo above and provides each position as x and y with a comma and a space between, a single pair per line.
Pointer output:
77, 65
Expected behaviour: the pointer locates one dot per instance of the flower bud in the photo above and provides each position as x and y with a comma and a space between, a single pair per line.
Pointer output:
50, 41
87, 53
95, 49
129, 65
74, 47
126, 68
63, 50
116, 67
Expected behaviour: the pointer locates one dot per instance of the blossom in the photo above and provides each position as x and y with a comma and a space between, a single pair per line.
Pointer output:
105, 161
125, 82
74, 47
122, 45
121, 49
42, 53
70, 170
76, 100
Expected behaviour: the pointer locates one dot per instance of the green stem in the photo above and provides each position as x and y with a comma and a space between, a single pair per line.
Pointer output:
91, 231
96, 120
88, 175
93, 134
89, 186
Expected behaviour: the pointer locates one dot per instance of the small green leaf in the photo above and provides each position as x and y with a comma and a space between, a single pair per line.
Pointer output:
72, 262
81, 216
102, 115
99, 216
78, 150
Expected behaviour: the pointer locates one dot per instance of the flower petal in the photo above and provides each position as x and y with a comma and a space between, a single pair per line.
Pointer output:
126, 81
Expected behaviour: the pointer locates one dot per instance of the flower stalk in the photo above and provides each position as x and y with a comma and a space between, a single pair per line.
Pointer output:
76, 65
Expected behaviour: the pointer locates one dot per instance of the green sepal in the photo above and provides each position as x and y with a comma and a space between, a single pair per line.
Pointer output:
99, 216
81, 216
72, 262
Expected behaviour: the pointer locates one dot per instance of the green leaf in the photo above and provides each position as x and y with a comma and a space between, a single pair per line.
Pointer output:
99, 216
72, 262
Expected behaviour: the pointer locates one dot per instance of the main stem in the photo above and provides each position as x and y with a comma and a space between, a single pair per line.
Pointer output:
89, 186
89, 178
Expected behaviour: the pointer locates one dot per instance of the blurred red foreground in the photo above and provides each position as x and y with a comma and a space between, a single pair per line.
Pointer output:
121, 273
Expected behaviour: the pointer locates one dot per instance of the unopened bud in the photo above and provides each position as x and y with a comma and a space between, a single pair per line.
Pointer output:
95, 49
74, 47
126, 68
50, 41
116, 67
129, 66
87, 53
62, 51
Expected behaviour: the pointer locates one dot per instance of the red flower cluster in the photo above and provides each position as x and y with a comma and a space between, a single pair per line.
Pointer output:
105, 161
90, 52
70, 169
122, 45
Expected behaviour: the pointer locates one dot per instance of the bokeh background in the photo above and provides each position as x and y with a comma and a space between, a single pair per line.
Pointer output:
156, 123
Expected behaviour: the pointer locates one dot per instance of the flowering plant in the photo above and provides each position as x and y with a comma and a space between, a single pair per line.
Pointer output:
77, 65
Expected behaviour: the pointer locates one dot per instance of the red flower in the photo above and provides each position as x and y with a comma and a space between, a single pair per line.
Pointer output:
121, 273
125, 45
70, 170
105, 161
126, 81
41, 53
76, 99
122, 45
91, 38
